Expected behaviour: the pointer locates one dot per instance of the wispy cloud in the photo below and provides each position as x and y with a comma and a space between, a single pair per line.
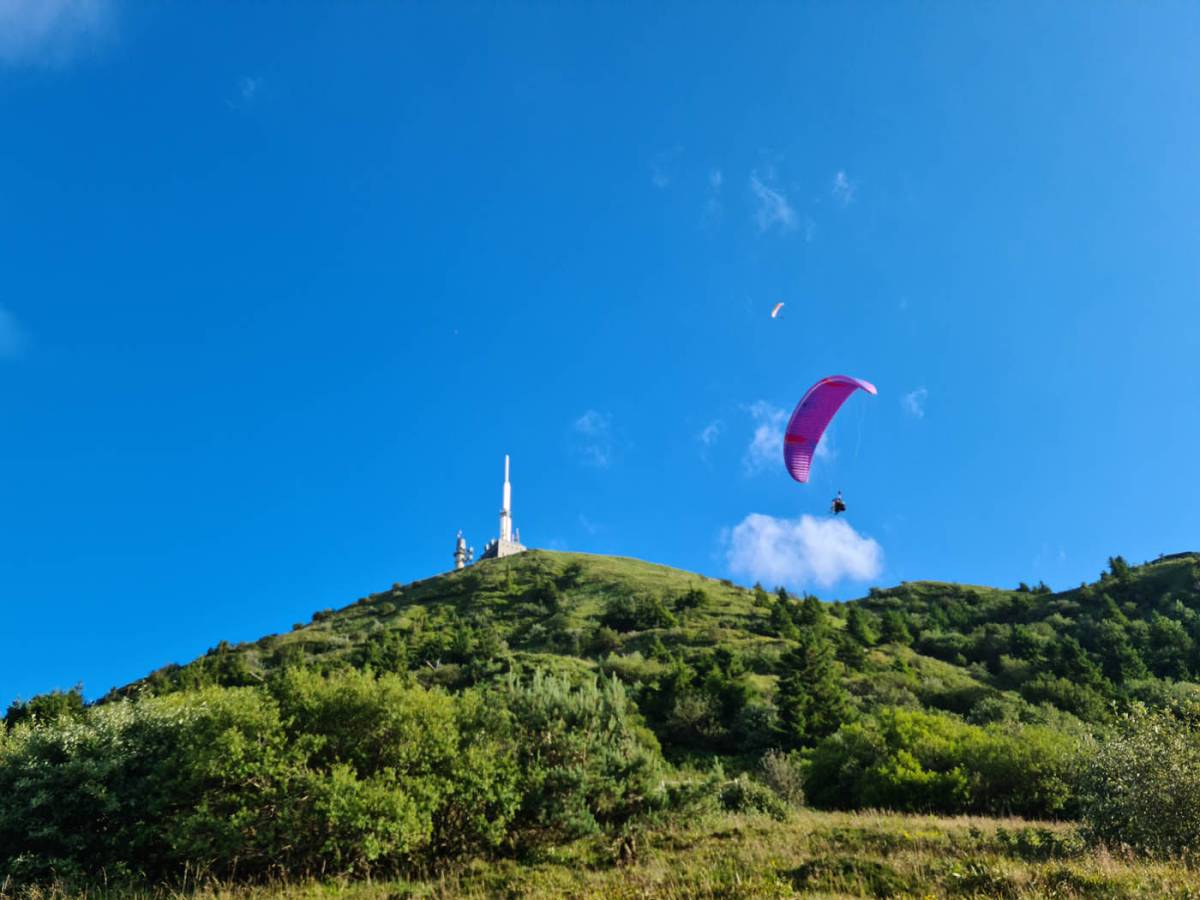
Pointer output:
51, 32
843, 188
825, 450
708, 437
248, 87
772, 208
246, 92
800, 552
13, 338
766, 445
713, 208
662, 167
588, 525
594, 438
914, 402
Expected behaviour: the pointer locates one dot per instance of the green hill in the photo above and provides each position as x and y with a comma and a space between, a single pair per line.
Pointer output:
534, 725
679, 639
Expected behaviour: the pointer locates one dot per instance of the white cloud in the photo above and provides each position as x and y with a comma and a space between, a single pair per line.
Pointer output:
773, 206
824, 448
713, 208
663, 166
914, 402
766, 446
843, 188
246, 92
803, 551
12, 336
50, 32
594, 439
708, 436
248, 87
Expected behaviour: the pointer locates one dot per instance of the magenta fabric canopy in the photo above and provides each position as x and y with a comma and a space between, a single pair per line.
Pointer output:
812, 416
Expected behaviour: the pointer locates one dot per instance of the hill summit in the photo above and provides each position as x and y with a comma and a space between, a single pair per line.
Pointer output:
704, 657
536, 700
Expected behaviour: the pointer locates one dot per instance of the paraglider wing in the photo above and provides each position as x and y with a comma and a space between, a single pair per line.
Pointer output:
812, 416
775, 311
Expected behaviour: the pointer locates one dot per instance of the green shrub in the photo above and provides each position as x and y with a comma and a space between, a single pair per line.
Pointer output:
345, 775
586, 761
854, 876
1141, 788
745, 796
916, 761
784, 775
47, 707
636, 613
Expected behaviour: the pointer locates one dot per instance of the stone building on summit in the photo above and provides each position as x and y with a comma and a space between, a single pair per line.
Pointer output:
507, 544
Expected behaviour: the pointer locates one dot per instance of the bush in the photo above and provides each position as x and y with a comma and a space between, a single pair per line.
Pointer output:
47, 707
745, 796
637, 613
694, 598
1142, 786
916, 761
586, 760
784, 775
603, 641
346, 775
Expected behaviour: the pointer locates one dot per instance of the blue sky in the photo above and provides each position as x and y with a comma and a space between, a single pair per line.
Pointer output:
281, 283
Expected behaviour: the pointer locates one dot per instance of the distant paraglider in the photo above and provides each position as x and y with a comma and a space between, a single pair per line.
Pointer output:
838, 505
775, 311
810, 419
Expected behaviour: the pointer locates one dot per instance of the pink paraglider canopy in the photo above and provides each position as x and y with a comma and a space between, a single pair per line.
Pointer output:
812, 416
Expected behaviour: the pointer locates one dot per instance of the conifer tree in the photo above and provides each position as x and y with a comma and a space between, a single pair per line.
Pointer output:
811, 700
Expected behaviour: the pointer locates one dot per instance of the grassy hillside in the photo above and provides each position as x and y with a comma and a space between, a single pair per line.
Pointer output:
554, 723
986, 654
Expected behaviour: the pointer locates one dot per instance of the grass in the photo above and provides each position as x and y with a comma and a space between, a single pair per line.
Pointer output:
498, 592
811, 854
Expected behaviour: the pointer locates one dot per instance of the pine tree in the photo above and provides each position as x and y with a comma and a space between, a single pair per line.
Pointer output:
811, 700
811, 614
859, 628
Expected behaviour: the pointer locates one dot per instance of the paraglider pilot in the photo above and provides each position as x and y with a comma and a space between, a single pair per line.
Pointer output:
838, 505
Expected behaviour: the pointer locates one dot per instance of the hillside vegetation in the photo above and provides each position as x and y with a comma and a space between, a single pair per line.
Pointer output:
704, 659
529, 703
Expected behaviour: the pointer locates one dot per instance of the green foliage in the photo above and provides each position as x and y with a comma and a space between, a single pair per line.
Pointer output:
603, 641
895, 628
741, 795
46, 707
410, 728
693, 598
783, 774
812, 702
860, 628
348, 775
912, 760
637, 613
1142, 787
585, 759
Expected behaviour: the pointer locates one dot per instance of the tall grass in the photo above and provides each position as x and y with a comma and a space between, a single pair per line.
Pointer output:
866, 854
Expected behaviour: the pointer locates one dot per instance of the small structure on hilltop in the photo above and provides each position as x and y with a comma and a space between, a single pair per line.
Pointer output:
463, 555
507, 544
